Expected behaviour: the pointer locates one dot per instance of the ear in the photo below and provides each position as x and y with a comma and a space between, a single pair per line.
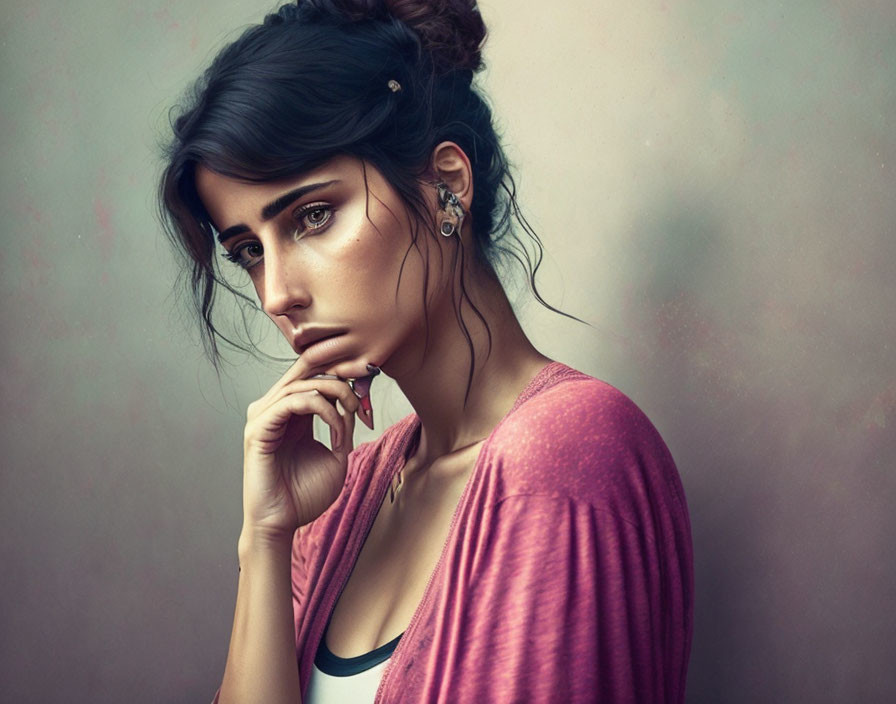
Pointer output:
451, 165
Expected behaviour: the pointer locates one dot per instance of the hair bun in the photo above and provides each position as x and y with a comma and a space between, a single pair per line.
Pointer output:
452, 31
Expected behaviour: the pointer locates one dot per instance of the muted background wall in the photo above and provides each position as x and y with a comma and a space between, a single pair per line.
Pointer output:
714, 182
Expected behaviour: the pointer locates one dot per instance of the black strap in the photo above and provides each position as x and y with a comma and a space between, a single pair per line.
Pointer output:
331, 664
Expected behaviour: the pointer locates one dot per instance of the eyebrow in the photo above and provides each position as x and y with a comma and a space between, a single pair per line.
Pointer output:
274, 208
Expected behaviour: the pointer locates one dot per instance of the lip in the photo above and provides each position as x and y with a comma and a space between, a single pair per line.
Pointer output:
306, 337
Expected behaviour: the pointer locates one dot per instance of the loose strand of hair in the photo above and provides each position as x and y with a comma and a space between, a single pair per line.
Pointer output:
459, 313
531, 269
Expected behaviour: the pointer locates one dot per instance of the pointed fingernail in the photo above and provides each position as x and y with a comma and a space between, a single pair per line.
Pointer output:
365, 412
361, 389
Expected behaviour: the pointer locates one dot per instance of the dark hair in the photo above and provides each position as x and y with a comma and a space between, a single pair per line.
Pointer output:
312, 82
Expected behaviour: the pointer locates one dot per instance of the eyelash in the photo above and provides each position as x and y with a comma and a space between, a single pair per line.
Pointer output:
300, 213
234, 255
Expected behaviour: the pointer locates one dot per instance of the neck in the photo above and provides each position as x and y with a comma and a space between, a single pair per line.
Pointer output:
451, 419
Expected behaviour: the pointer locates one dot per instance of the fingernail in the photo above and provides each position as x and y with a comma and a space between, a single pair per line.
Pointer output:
365, 412
361, 386
361, 389
373, 370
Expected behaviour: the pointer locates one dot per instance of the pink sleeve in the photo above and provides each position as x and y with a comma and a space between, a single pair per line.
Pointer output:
299, 565
569, 576
570, 604
575, 579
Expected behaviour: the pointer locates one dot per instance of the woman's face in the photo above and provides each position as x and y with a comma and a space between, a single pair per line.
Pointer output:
325, 252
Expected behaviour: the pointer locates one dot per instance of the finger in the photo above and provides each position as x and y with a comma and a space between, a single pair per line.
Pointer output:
333, 440
297, 370
266, 431
331, 388
348, 420
361, 389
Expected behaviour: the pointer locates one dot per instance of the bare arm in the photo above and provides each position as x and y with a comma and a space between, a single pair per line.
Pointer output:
261, 663
289, 479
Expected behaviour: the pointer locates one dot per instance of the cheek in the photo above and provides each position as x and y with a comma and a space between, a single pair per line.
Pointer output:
355, 271
372, 259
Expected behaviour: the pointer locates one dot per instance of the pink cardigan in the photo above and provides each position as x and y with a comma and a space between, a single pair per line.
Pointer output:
567, 575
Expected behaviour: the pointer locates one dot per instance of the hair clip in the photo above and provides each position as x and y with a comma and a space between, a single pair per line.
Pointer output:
394, 85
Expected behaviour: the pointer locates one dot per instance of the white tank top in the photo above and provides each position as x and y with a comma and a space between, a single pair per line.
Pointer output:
336, 680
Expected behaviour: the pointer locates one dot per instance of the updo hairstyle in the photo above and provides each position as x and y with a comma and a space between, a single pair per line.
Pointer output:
312, 82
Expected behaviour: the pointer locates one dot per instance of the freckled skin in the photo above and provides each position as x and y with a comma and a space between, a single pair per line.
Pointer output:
334, 253
343, 274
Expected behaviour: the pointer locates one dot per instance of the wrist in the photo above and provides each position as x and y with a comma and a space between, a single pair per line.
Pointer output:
254, 543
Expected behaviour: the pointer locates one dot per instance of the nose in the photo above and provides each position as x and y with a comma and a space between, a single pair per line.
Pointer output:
283, 289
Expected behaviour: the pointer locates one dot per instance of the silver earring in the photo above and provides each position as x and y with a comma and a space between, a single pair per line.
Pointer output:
452, 208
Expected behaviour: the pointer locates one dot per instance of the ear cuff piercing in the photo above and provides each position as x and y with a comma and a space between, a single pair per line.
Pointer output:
452, 211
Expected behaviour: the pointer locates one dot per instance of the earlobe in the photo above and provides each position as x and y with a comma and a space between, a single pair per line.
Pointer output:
451, 209
452, 167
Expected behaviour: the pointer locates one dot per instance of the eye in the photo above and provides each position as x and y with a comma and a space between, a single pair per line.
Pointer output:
312, 217
245, 255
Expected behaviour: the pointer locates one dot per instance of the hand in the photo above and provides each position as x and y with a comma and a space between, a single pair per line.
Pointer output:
289, 478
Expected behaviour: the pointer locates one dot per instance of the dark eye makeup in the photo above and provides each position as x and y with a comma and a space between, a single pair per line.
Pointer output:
245, 255
312, 216
309, 217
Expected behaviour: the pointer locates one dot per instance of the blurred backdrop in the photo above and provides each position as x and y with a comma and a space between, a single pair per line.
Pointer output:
714, 183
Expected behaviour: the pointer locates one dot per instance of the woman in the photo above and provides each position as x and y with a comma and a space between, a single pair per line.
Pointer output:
523, 536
